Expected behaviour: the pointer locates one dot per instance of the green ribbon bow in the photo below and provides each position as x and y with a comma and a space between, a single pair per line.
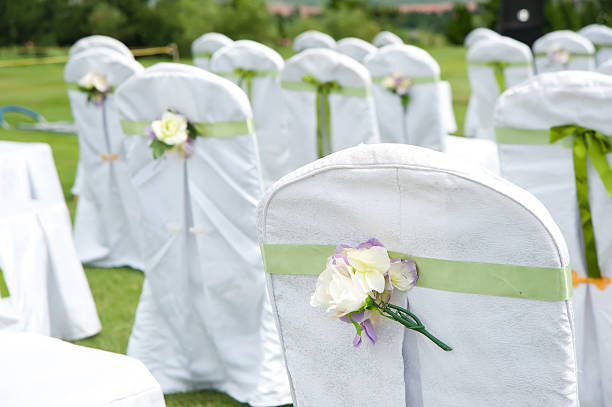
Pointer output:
499, 68
594, 144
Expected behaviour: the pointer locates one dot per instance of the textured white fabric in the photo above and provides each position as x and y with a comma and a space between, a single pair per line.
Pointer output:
99, 41
478, 34
567, 41
601, 37
208, 43
386, 38
44, 372
355, 48
483, 84
507, 351
353, 119
606, 67
470, 124
106, 220
313, 39
27, 171
203, 320
266, 99
477, 151
422, 123
585, 99
48, 290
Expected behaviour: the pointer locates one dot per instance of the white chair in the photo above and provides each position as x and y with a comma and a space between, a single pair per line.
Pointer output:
525, 121
41, 371
470, 125
356, 48
418, 117
106, 220
203, 48
493, 283
563, 50
495, 65
203, 321
601, 37
256, 68
605, 68
99, 41
386, 38
313, 39
48, 290
327, 105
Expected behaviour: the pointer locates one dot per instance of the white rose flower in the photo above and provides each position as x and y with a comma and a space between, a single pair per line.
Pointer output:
87, 81
99, 82
337, 290
171, 129
388, 82
370, 266
403, 274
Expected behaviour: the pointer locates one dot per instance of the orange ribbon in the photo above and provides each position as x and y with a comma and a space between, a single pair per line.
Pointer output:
600, 283
109, 157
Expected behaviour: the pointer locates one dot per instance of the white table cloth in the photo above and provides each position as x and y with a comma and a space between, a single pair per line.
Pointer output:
313, 39
44, 372
256, 68
386, 38
203, 48
355, 48
100, 41
352, 114
495, 65
106, 220
601, 37
203, 320
507, 351
563, 50
48, 290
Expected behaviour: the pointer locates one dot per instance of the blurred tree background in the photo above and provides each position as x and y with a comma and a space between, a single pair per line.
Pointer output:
159, 22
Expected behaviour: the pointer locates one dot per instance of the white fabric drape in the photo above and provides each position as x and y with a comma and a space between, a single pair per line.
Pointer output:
478, 34
206, 45
313, 39
203, 320
386, 38
567, 42
106, 220
265, 99
584, 99
601, 37
606, 68
355, 48
507, 351
99, 41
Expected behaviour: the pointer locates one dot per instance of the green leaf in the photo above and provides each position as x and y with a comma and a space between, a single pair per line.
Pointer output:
159, 148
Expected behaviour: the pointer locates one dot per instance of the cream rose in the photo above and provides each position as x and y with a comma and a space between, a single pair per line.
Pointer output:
171, 129
370, 266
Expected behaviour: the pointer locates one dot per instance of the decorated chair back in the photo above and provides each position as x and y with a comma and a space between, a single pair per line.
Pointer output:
553, 134
495, 65
327, 105
106, 217
313, 39
563, 50
203, 48
479, 34
386, 38
99, 41
605, 68
601, 37
492, 284
410, 103
356, 48
256, 68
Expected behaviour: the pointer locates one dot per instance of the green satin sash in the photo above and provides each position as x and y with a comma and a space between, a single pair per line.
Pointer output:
323, 89
247, 75
498, 70
503, 280
206, 55
217, 129
584, 143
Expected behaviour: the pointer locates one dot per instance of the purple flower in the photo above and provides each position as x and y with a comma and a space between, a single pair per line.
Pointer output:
366, 326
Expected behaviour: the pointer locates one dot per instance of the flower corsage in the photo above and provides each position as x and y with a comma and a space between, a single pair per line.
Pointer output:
356, 287
172, 131
559, 56
95, 86
400, 85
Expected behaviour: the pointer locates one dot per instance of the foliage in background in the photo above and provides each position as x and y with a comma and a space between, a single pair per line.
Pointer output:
572, 15
459, 25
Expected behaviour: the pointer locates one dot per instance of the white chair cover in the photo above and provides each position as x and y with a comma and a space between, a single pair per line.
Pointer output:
313, 39
585, 99
203, 48
48, 290
40, 371
601, 37
421, 123
488, 81
352, 113
386, 38
470, 124
563, 50
203, 321
507, 351
264, 95
27, 171
477, 151
99, 41
106, 220
606, 67
356, 48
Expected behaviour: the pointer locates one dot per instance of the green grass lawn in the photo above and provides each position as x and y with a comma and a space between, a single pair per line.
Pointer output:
116, 291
